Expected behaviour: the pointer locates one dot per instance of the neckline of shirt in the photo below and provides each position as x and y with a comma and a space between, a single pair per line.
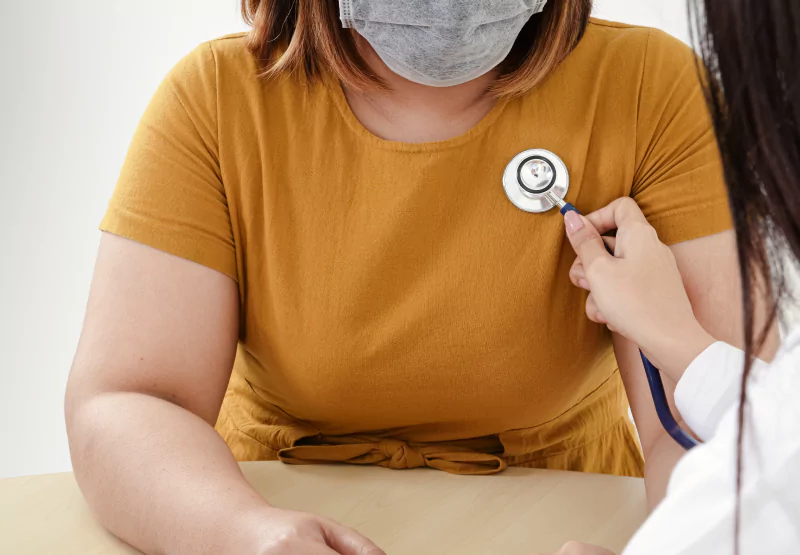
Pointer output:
334, 88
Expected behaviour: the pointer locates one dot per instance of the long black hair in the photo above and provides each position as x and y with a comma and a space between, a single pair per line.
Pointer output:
751, 53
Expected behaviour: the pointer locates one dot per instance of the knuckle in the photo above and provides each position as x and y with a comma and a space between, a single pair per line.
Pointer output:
581, 236
599, 267
282, 540
644, 230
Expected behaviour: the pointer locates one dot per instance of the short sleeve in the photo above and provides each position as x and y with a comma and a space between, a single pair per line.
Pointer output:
170, 194
679, 181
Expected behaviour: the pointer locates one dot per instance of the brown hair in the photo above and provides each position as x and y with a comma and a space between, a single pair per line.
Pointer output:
305, 37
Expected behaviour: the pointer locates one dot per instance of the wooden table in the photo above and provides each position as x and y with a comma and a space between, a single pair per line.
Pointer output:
413, 512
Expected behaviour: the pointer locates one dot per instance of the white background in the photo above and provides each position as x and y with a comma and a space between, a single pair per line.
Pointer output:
76, 76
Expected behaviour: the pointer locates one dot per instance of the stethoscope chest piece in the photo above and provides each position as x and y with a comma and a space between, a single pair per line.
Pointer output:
534, 179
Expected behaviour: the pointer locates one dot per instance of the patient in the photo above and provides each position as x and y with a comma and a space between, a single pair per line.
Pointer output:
309, 257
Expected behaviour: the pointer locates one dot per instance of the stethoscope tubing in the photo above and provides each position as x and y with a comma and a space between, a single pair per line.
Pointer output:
662, 406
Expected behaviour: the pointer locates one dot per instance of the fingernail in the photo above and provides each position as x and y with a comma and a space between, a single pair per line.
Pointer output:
573, 222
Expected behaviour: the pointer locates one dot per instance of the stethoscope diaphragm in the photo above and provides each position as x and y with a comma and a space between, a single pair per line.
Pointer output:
536, 180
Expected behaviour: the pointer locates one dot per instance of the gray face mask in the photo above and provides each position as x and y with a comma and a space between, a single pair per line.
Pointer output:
440, 43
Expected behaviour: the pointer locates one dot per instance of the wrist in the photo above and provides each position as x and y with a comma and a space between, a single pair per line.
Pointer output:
673, 352
247, 532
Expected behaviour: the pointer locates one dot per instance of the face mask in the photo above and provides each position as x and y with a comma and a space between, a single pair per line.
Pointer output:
439, 43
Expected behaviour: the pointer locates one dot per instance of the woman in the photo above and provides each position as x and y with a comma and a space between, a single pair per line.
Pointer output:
318, 205
740, 491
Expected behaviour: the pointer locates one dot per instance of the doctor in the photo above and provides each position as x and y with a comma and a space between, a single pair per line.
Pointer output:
740, 491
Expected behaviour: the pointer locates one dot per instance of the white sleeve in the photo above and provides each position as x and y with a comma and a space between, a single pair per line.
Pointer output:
709, 387
697, 516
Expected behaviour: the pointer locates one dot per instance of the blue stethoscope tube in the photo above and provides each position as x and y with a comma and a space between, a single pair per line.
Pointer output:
654, 380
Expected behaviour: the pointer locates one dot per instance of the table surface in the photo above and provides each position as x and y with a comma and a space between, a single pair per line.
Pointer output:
517, 512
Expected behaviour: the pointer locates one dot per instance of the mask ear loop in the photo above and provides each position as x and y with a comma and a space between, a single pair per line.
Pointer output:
538, 7
346, 13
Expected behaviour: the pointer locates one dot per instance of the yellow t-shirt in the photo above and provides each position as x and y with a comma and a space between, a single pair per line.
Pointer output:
397, 309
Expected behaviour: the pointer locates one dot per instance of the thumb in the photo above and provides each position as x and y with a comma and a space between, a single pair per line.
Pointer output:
584, 238
347, 541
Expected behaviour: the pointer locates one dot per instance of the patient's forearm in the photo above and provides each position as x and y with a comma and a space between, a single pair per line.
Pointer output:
158, 476
661, 460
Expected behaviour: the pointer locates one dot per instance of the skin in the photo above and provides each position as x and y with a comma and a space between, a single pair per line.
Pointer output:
140, 422
640, 293
156, 354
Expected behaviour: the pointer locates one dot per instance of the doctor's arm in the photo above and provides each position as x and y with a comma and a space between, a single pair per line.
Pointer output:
710, 273
674, 326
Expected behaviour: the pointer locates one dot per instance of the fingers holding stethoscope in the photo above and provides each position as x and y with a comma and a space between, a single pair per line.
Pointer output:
594, 314
617, 213
638, 290
591, 251
577, 273
621, 216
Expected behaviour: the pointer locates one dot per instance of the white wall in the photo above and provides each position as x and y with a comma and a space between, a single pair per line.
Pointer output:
669, 15
76, 76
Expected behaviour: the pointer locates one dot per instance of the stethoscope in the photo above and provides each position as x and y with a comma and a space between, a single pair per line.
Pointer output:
536, 181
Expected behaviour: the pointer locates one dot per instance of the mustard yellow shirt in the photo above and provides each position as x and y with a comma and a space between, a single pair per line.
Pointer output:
397, 309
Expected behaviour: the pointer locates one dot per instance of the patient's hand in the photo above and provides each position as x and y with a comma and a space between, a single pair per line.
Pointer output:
577, 548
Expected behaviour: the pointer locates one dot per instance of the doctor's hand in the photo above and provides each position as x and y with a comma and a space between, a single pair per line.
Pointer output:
576, 548
638, 292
